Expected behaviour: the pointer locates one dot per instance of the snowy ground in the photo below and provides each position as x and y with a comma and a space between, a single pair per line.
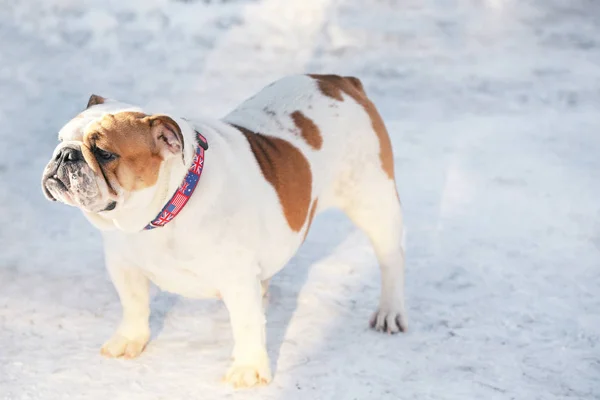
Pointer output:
493, 107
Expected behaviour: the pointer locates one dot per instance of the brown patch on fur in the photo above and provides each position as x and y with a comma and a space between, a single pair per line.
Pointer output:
95, 99
129, 136
309, 131
333, 86
287, 170
356, 83
313, 208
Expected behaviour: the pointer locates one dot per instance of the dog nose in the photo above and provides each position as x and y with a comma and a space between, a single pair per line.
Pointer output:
69, 154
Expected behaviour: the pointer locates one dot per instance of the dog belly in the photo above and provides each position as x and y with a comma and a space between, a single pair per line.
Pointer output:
277, 252
181, 281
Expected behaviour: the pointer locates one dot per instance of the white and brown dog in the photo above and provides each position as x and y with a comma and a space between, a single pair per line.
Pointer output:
207, 208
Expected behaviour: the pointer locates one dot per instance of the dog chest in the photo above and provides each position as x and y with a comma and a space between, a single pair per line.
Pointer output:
173, 265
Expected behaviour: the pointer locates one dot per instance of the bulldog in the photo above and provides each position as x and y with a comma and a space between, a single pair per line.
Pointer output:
214, 208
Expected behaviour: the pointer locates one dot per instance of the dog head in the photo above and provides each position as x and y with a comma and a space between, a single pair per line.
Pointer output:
107, 153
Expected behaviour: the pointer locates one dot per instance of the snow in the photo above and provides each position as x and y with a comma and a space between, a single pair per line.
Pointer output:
493, 110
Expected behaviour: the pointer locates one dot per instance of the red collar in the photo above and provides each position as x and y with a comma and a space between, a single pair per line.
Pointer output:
185, 190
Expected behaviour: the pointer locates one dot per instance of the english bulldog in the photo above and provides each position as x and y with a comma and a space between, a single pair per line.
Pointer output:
215, 207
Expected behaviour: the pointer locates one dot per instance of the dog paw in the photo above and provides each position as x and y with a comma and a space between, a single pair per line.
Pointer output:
120, 346
389, 321
245, 376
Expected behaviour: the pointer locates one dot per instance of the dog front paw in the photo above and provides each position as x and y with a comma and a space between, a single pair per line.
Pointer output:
120, 346
390, 321
242, 375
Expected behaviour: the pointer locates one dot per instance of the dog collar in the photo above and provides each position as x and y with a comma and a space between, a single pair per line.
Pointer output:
185, 190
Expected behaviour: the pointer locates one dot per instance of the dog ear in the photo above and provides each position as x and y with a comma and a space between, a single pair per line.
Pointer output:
95, 99
167, 135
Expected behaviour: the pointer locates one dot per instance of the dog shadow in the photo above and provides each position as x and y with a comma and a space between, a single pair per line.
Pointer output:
161, 305
327, 232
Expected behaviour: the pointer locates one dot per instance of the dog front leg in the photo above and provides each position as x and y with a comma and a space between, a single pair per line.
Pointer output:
133, 332
250, 366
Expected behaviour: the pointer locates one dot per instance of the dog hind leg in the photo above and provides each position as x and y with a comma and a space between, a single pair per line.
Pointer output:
373, 206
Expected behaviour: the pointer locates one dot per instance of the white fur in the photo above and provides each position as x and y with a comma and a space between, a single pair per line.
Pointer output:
232, 234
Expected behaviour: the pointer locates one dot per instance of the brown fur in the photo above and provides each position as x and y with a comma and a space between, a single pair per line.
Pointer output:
313, 208
309, 131
95, 99
333, 86
287, 170
129, 135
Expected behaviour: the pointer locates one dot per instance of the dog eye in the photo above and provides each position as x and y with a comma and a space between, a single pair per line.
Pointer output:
104, 155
